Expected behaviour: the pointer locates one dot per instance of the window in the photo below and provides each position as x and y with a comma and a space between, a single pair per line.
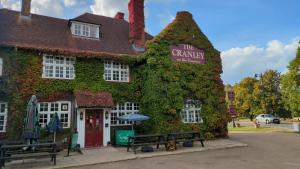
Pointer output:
85, 30
3, 117
1, 66
121, 110
191, 112
58, 67
116, 72
47, 111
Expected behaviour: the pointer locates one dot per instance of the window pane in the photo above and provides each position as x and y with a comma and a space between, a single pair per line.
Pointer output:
122, 109
116, 75
2, 108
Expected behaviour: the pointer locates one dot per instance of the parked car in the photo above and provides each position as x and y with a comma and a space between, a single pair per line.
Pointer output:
267, 118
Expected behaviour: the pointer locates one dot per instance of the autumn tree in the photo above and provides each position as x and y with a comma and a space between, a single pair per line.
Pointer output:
245, 101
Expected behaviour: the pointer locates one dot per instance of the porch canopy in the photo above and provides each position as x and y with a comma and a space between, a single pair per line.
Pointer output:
87, 99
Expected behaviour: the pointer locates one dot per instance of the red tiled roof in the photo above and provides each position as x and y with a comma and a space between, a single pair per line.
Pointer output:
54, 35
88, 99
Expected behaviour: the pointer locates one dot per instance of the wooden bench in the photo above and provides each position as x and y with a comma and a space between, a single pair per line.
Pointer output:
145, 140
18, 150
181, 137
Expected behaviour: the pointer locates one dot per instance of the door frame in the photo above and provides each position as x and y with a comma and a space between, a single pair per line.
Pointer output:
81, 125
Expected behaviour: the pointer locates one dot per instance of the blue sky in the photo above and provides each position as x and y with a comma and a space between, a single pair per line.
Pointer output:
253, 35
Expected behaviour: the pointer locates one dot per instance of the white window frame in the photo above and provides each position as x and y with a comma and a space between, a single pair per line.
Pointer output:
123, 109
64, 66
4, 115
112, 69
50, 109
1, 66
191, 113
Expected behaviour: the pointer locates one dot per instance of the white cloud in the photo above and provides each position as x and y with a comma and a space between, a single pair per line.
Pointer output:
242, 62
11, 4
69, 3
109, 7
43, 7
48, 7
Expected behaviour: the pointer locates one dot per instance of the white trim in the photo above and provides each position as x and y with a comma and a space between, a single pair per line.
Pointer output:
80, 29
48, 110
191, 113
123, 109
112, 68
64, 66
4, 115
81, 127
1, 66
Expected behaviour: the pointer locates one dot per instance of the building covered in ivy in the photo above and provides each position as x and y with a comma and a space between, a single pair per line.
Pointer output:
93, 69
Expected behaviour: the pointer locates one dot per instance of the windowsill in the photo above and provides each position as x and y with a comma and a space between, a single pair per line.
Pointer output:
112, 81
192, 122
120, 125
85, 37
55, 78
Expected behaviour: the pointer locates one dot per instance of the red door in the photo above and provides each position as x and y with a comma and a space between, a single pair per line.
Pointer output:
94, 128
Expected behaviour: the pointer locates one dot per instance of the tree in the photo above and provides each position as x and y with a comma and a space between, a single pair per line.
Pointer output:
268, 92
290, 86
245, 101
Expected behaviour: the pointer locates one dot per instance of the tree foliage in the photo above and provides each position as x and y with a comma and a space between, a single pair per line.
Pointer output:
245, 100
290, 84
262, 95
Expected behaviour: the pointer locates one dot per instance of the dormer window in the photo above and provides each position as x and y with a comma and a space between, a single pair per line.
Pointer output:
85, 30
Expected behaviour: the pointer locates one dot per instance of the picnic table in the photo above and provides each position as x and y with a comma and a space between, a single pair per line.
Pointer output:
181, 137
145, 140
18, 150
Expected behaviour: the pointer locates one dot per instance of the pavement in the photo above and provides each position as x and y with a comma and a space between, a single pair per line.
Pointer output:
264, 151
94, 157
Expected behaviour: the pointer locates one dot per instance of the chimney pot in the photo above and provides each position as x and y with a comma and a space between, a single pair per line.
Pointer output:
137, 24
26, 9
120, 15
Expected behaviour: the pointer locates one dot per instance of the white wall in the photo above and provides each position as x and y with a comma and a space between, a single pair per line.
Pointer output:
81, 128
106, 130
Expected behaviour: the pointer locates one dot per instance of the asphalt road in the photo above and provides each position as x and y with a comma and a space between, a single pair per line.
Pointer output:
265, 151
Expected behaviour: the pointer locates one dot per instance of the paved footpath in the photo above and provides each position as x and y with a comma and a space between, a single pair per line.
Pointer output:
264, 151
94, 157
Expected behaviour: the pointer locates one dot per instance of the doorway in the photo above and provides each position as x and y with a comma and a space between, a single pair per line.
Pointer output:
94, 128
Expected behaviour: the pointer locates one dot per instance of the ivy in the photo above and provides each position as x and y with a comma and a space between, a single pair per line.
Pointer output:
158, 84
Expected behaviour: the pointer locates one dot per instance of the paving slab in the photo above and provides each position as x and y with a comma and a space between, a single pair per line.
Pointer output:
114, 154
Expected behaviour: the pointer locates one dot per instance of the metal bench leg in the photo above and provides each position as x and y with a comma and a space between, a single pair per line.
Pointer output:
54, 160
202, 143
157, 146
134, 149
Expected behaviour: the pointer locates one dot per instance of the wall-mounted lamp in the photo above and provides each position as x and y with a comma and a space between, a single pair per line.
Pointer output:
81, 115
106, 115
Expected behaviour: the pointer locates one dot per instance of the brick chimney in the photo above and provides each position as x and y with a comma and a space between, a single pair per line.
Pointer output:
120, 15
25, 10
137, 24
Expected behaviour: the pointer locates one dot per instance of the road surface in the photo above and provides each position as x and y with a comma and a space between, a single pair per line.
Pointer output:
265, 151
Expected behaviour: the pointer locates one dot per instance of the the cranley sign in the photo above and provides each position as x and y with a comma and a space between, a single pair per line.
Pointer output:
187, 53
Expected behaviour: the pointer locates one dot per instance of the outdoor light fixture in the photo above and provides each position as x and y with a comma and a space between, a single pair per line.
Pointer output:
81, 115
